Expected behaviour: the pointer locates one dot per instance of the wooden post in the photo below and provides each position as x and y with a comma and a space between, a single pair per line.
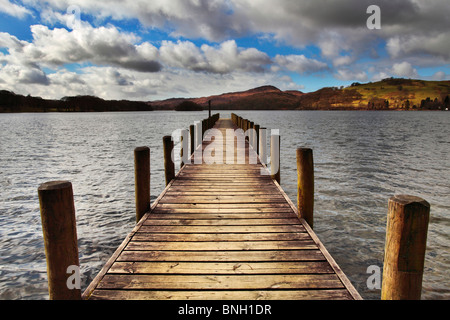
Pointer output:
256, 139
406, 238
275, 157
142, 181
250, 133
305, 184
246, 123
192, 137
169, 166
60, 237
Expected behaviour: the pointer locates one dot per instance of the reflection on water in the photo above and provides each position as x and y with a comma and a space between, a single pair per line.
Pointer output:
361, 159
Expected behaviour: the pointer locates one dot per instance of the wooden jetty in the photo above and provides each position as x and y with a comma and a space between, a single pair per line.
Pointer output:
222, 231
226, 230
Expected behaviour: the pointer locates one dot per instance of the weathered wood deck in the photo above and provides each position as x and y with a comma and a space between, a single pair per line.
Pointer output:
221, 231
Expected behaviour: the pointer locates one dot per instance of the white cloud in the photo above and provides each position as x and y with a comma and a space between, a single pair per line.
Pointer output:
229, 57
103, 45
404, 69
380, 76
342, 61
11, 42
438, 76
13, 9
299, 63
183, 54
225, 58
431, 44
14, 74
199, 19
347, 75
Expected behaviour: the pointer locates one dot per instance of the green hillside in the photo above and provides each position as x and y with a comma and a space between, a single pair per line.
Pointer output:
401, 94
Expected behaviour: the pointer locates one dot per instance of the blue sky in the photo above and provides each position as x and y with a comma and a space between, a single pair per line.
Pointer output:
150, 50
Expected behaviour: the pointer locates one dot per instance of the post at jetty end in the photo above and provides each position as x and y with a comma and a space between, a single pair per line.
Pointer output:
169, 166
305, 184
142, 181
406, 238
60, 237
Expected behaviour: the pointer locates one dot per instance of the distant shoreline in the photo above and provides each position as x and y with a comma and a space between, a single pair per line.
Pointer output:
218, 110
388, 94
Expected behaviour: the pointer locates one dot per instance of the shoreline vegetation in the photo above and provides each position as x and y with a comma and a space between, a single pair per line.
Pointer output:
387, 94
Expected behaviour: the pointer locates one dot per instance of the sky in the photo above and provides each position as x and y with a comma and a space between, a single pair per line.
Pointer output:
159, 49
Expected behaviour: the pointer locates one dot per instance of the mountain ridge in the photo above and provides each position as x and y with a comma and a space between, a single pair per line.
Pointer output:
387, 94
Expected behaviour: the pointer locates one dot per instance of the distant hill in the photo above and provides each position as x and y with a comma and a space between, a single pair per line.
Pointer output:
261, 98
11, 102
391, 93
402, 94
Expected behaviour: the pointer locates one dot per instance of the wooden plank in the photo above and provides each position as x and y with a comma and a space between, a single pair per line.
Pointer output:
198, 215
254, 206
220, 282
303, 267
238, 183
222, 192
235, 256
221, 199
221, 222
222, 173
224, 211
328, 294
243, 171
143, 236
220, 246
221, 229
230, 179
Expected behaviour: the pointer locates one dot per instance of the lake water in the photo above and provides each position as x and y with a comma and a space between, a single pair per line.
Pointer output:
361, 159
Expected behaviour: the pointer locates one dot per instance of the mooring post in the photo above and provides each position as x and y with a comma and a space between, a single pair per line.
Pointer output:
256, 138
305, 184
60, 238
192, 138
275, 157
246, 125
142, 181
404, 256
169, 166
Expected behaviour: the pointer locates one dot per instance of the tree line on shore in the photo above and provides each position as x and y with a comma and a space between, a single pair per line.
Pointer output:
11, 102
